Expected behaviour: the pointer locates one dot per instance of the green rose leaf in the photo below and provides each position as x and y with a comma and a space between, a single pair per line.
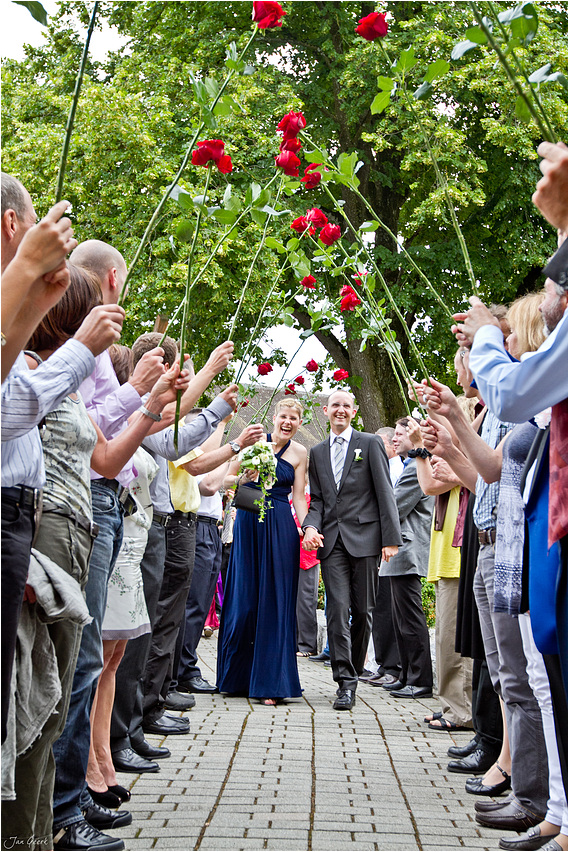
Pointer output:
36, 10
436, 69
366, 227
522, 111
226, 217
253, 193
461, 48
477, 35
525, 27
380, 102
185, 231
541, 75
406, 60
271, 242
293, 243
423, 91
258, 216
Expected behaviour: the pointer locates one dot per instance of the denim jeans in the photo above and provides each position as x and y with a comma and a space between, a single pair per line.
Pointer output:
71, 751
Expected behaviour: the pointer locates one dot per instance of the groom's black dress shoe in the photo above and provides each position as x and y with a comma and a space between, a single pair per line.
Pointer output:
393, 687
197, 684
100, 817
166, 724
320, 658
345, 699
127, 760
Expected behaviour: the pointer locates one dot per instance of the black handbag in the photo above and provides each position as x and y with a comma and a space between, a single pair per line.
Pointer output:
248, 498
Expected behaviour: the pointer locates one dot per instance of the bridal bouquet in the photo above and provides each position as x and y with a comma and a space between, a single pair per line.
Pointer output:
260, 458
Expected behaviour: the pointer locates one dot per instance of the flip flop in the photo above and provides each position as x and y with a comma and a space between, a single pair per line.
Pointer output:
445, 725
303, 654
437, 715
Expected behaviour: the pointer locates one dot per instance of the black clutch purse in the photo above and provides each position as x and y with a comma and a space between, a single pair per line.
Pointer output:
250, 499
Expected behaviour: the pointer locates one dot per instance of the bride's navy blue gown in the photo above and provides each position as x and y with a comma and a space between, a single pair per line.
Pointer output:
257, 637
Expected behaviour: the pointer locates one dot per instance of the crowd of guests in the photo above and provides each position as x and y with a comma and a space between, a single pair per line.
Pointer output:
116, 540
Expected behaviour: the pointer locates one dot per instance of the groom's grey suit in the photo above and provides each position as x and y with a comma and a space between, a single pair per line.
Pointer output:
356, 519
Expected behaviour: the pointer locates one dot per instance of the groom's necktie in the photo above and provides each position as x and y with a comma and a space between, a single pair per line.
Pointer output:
338, 460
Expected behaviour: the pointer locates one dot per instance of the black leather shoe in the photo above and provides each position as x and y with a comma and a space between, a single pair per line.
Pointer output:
150, 752
197, 684
176, 701
476, 763
166, 724
345, 699
414, 692
465, 750
81, 835
511, 815
393, 687
477, 787
100, 817
529, 840
127, 760
320, 658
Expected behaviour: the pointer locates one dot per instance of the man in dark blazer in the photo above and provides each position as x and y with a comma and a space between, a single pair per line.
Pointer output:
353, 521
405, 572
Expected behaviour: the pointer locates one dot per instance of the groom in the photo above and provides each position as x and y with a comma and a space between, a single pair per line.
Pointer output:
354, 522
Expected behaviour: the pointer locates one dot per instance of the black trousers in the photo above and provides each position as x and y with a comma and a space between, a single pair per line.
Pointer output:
178, 567
17, 535
411, 631
207, 565
350, 590
486, 712
126, 720
383, 632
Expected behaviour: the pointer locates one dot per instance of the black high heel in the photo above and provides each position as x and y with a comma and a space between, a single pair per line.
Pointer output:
108, 799
122, 793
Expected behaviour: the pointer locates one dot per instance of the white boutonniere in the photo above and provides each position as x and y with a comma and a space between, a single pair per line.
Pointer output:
357, 454
543, 419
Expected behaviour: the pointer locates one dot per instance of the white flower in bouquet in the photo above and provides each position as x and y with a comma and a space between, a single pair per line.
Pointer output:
261, 459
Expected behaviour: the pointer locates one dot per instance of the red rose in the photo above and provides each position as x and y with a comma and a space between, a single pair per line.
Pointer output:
350, 300
340, 375
293, 145
264, 369
311, 178
212, 150
291, 124
299, 380
359, 278
316, 217
290, 389
309, 282
300, 225
372, 26
267, 14
312, 366
330, 233
245, 403
288, 162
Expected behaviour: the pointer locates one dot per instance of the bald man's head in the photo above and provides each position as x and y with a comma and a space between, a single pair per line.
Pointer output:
106, 263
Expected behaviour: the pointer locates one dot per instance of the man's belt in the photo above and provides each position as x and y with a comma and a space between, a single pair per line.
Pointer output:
80, 520
207, 519
487, 536
162, 518
113, 484
23, 496
183, 516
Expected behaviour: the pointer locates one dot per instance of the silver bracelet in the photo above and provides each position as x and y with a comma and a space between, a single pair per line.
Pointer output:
156, 417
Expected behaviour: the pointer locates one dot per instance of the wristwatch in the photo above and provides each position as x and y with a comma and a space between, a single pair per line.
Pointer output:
235, 446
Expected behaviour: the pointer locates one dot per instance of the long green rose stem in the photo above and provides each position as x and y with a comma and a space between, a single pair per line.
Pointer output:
210, 259
252, 336
254, 261
387, 230
545, 128
381, 279
73, 110
187, 302
168, 192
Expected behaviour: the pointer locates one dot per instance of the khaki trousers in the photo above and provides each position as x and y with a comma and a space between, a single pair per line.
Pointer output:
454, 673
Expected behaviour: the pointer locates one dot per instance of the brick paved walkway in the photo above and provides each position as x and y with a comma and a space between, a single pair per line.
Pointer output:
304, 777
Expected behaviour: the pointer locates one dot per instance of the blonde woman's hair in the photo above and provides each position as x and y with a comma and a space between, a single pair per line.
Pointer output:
287, 402
468, 405
526, 320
